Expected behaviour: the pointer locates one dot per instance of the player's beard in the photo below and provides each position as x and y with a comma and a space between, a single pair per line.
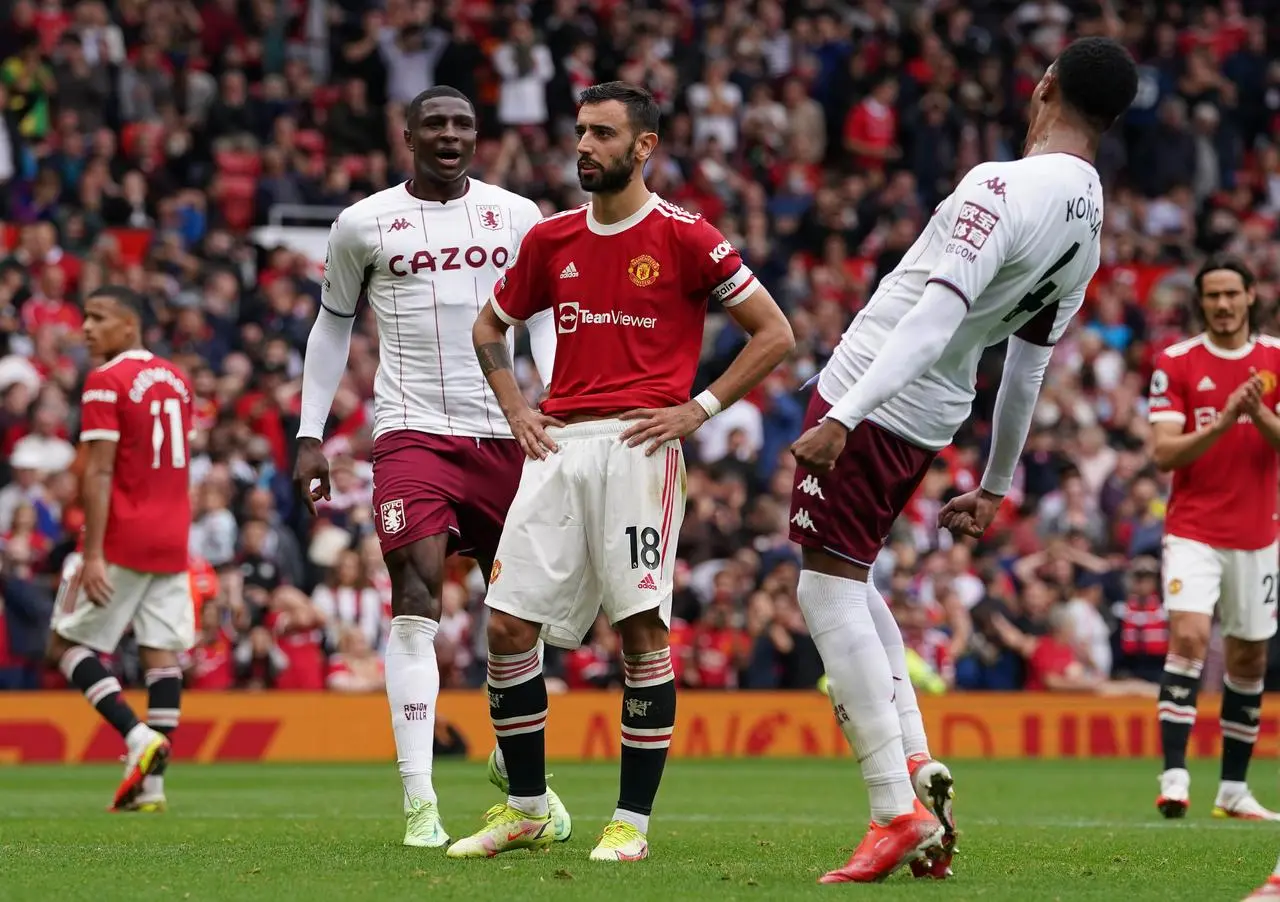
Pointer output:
609, 179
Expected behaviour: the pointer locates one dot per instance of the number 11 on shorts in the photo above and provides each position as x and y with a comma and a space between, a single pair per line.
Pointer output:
644, 547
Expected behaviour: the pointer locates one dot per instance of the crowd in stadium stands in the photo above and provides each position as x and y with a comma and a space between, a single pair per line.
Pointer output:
140, 140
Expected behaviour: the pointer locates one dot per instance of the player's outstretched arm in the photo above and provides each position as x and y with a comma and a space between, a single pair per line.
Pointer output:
1172, 449
1024, 368
770, 341
489, 335
915, 344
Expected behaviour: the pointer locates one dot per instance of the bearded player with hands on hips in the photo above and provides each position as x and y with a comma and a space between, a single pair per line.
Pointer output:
601, 499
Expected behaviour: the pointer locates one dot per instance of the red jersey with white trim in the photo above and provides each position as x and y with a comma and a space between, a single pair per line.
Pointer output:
630, 301
143, 404
1226, 498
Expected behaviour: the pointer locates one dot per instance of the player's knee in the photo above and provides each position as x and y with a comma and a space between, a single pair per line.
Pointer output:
1246, 661
55, 649
417, 578
1189, 636
643, 633
508, 635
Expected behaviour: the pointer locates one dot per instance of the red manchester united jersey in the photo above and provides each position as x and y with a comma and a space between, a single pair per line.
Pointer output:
1227, 498
630, 301
143, 404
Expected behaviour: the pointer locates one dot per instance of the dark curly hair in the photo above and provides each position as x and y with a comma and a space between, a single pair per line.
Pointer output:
1098, 80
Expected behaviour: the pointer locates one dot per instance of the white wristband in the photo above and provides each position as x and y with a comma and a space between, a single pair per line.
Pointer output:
708, 402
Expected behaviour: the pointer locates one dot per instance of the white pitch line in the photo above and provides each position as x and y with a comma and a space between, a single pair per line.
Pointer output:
763, 820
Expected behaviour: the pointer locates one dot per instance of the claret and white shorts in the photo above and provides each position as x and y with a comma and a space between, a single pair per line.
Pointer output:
592, 526
1240, 585
158, 605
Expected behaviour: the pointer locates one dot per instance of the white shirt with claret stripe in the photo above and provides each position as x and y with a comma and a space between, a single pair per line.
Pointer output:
1017, 244
426, 269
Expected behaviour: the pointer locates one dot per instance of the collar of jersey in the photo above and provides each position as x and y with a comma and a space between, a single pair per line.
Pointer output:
616, 228
1224, 353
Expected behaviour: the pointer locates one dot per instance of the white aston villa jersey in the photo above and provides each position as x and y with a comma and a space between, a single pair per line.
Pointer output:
1017, 243
427, 268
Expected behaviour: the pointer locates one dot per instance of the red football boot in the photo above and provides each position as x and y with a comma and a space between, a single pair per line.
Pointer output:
934, 788
886, 848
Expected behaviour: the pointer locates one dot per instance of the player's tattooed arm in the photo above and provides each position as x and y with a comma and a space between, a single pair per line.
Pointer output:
493, 357
528, 426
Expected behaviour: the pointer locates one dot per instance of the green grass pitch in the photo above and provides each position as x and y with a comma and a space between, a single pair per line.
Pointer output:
726, 830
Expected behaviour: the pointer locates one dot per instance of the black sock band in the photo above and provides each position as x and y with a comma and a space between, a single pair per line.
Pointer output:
83, 670
648, 720
1179, 689
1241, 713
518, 710
164, 698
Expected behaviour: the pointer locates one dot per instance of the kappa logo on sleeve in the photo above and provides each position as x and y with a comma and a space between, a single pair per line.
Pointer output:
974, 225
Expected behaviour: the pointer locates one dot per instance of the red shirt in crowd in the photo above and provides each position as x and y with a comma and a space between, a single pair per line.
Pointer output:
211, 666
302, 648
62, 315
1050, 658
873, 124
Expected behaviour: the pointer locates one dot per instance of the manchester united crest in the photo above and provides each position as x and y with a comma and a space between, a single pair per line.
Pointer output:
1268, 381
644, 271
495, 572
1175, 586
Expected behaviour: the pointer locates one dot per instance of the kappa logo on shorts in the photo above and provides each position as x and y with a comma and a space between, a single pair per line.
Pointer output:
803, 520
495, 572
392, 514
647, 583
811, 487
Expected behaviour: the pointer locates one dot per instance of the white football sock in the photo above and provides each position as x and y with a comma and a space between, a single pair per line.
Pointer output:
913, 738
534, 806
413, 685
153, 785
861, 687
634, 818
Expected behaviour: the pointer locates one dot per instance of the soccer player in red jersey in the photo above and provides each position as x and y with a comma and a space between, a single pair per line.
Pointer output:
135, 426
602, 494
1213, 412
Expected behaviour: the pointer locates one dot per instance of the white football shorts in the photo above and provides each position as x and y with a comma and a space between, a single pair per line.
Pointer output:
592, 526
1241, 585
158, 605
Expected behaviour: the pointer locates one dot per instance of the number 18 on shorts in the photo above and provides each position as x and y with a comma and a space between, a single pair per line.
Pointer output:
592, 527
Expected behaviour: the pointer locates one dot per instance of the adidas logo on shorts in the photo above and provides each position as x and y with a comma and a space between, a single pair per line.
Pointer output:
648, 583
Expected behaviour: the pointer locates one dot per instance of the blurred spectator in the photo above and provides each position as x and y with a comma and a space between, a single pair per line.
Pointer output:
347, 599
